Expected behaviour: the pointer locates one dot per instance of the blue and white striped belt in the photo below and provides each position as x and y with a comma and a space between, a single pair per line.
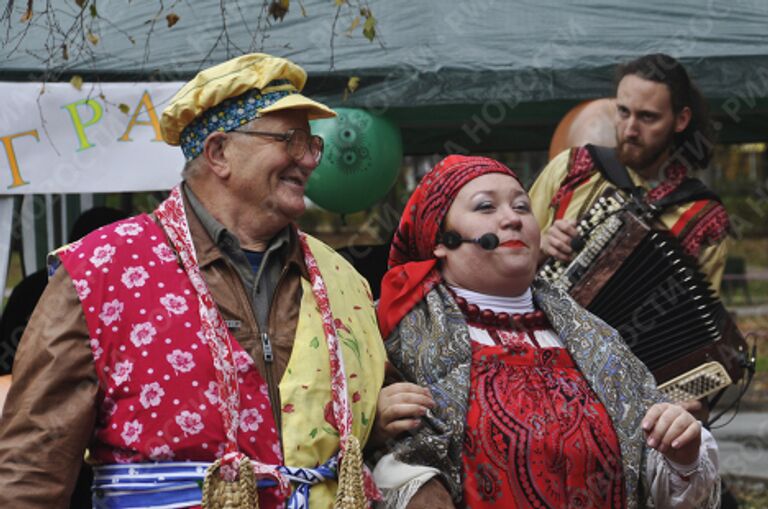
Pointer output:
179, 484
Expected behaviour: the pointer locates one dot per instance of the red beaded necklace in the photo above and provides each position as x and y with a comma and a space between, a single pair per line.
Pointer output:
535, 320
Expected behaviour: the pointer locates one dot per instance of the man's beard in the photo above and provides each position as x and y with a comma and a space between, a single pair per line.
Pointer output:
643, 156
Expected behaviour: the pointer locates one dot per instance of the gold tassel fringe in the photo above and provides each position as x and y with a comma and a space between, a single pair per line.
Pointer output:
351, 491
221, 494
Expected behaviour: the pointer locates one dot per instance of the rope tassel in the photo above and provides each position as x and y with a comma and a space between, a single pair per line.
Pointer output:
238, 493
351, 490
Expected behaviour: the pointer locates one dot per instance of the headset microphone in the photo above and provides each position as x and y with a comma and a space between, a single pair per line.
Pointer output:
453, 240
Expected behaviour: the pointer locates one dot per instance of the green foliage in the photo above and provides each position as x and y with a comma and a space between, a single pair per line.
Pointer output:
737, 295
762, 364
753, 250
749, 216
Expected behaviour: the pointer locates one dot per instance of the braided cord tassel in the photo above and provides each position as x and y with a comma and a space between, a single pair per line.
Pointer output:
219, 493
351, 490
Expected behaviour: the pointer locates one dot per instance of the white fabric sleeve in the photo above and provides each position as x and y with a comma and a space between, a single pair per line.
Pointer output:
399, 481
685, 486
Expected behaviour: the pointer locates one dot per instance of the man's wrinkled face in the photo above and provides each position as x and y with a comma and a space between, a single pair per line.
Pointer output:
264, 173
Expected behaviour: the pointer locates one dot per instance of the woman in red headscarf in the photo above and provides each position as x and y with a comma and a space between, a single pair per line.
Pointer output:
537, 403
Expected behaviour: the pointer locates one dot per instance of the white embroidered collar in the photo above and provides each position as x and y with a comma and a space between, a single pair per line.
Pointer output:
520, 304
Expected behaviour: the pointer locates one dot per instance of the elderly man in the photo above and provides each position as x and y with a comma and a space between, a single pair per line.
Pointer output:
662, 134
211, 348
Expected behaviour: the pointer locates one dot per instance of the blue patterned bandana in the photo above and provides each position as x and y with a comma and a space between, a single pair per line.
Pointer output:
230, 114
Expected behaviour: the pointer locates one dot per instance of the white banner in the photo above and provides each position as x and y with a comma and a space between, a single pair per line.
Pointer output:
6, 222
102, 138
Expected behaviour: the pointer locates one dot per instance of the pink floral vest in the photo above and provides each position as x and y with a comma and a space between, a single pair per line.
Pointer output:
160, 395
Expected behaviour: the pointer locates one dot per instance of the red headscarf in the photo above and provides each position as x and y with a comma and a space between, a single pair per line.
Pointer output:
411, 260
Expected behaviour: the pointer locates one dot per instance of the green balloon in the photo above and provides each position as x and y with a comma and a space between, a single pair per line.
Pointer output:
361, 161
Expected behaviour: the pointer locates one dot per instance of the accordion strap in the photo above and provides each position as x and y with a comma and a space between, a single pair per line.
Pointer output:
614, 172
689, 190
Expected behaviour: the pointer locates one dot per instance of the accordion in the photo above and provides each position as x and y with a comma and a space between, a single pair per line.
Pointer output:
638, 280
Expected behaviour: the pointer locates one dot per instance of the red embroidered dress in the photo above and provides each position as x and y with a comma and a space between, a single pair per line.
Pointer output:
536, 435
156, 372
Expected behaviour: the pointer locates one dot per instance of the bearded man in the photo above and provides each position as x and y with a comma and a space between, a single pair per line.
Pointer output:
662, 134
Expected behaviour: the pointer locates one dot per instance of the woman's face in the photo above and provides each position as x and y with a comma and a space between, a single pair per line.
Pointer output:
492, 203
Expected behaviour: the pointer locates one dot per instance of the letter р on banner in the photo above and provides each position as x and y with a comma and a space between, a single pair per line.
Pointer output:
77, 122
82, 142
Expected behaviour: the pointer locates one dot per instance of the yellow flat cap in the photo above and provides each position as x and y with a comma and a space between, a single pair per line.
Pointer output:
237, 91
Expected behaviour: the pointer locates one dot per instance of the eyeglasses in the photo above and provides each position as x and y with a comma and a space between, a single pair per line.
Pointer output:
298, 142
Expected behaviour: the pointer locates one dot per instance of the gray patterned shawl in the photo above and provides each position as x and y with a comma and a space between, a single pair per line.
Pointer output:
431, 347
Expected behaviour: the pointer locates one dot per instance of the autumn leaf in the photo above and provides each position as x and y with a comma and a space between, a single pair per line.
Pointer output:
369, 27
93, 38
80, 3
352, 85
355, 23
76, 81
172, 19
124, 108
279, 8
28, 14
94, 13
340, 2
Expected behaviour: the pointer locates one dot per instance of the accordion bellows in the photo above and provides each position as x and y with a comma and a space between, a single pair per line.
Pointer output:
639, 281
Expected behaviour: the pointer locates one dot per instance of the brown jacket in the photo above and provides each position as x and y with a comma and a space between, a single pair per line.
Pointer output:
50, 411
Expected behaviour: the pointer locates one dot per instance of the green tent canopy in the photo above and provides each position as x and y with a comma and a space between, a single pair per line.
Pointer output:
480, 76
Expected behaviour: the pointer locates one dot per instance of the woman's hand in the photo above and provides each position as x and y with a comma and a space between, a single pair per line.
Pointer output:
400, 408
673, 432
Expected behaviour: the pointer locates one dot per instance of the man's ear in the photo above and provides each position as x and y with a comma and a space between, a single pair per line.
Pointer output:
682, 119
215, 155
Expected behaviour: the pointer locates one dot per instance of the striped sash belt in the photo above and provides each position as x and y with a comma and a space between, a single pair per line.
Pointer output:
172, 485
